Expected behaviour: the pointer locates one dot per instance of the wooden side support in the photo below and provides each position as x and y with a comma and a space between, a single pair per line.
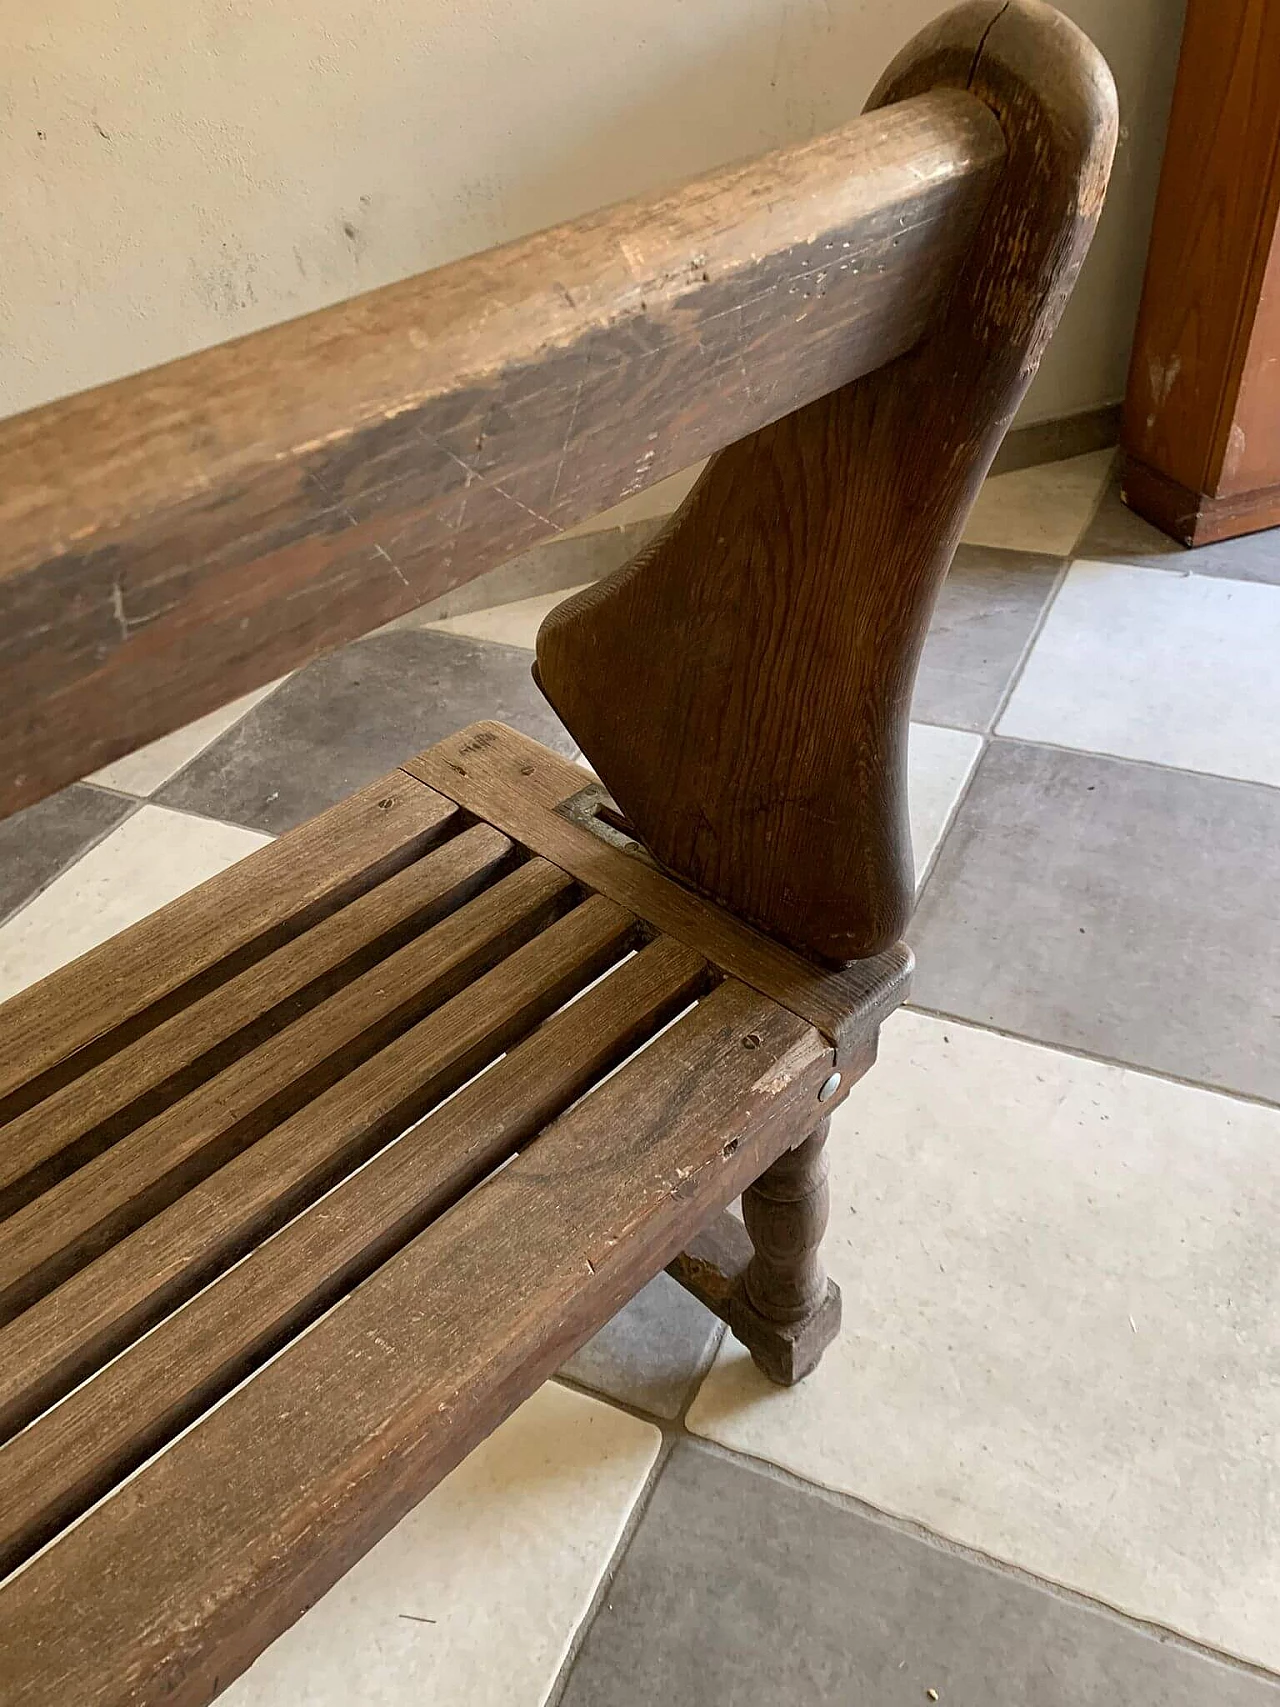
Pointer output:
178, 537
742, 687
766, 1280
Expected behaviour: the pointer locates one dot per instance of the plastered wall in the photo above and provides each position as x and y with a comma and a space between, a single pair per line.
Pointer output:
177, 174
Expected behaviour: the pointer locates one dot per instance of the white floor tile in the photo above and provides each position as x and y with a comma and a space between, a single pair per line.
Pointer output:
1061, 1287
516, 624
153, 857
143, 772
1045, 508
1176, 669
474, 1597
938, 765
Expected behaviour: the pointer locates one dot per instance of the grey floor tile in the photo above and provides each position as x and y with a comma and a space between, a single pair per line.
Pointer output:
986, 613
37, 844
742, 1591
549, 568
347, 718
1117, 908
1117, 535
650, 1353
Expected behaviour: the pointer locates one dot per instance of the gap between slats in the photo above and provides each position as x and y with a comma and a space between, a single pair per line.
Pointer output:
56, 1234
138, 1081
72, 1455
62, 1337
78, 1016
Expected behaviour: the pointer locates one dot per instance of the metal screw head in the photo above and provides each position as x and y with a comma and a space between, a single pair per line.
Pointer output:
829, 1088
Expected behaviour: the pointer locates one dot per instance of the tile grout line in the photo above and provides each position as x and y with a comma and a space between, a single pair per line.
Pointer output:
70, 865
1037, 629
136, 803
673, 1432
635, 1517
1128, 759
918, 1531
1079, 1054
150, 799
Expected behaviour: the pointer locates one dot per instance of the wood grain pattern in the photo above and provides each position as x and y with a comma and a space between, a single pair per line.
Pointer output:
88, 1009
742, 688
1211, 297
146, 1077
174, 539
60, 1339
512, 782
785, 1213
278, 1498
49, 1238
72, 1455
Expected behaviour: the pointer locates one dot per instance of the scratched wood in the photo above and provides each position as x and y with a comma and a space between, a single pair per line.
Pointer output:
169, 1588
174, 539
250, 1328
743, 687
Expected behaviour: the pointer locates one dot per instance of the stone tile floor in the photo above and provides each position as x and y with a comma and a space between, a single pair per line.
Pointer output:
1041, 1468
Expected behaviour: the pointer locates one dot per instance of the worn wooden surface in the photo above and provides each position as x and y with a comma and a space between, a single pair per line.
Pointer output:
90, 1008
52, 1237
785, 1214
277, 1498
204, 1040
171, 540
54, 1469
273, 1240
766, 1278
743, 687
1201, 420
1196, 518
511, 781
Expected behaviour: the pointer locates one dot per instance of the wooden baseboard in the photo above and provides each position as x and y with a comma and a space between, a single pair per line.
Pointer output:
1051, 441
1196, 518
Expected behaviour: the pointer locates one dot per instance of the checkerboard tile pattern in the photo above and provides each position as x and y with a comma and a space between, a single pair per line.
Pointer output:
1042, 1464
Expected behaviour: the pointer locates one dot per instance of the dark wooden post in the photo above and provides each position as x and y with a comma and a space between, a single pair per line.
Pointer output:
787, 1311
743, 687
786, 1215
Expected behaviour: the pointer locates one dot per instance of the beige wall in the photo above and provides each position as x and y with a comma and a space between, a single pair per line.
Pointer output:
178, 173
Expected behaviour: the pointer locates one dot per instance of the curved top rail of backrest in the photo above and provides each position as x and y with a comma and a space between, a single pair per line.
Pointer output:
743, 687
174, 539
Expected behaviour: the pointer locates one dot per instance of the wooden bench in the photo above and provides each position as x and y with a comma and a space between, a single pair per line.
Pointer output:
311, 1177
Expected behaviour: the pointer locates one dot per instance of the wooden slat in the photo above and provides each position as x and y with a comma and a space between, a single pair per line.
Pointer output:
516, 784
226, 922
61, 1339
179, 537
131, 1087
58, 1232
169, 1588
70, 1457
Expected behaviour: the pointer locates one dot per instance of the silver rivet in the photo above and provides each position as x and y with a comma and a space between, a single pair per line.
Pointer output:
829, 1088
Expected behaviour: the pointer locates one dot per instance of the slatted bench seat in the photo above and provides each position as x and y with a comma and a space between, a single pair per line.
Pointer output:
312, 1176
474, 1091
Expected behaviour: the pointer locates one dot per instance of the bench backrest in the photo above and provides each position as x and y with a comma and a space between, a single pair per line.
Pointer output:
866, 309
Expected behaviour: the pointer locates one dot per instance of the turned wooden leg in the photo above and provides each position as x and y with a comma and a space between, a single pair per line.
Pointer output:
786, 1310
767, 1280
786, 1215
